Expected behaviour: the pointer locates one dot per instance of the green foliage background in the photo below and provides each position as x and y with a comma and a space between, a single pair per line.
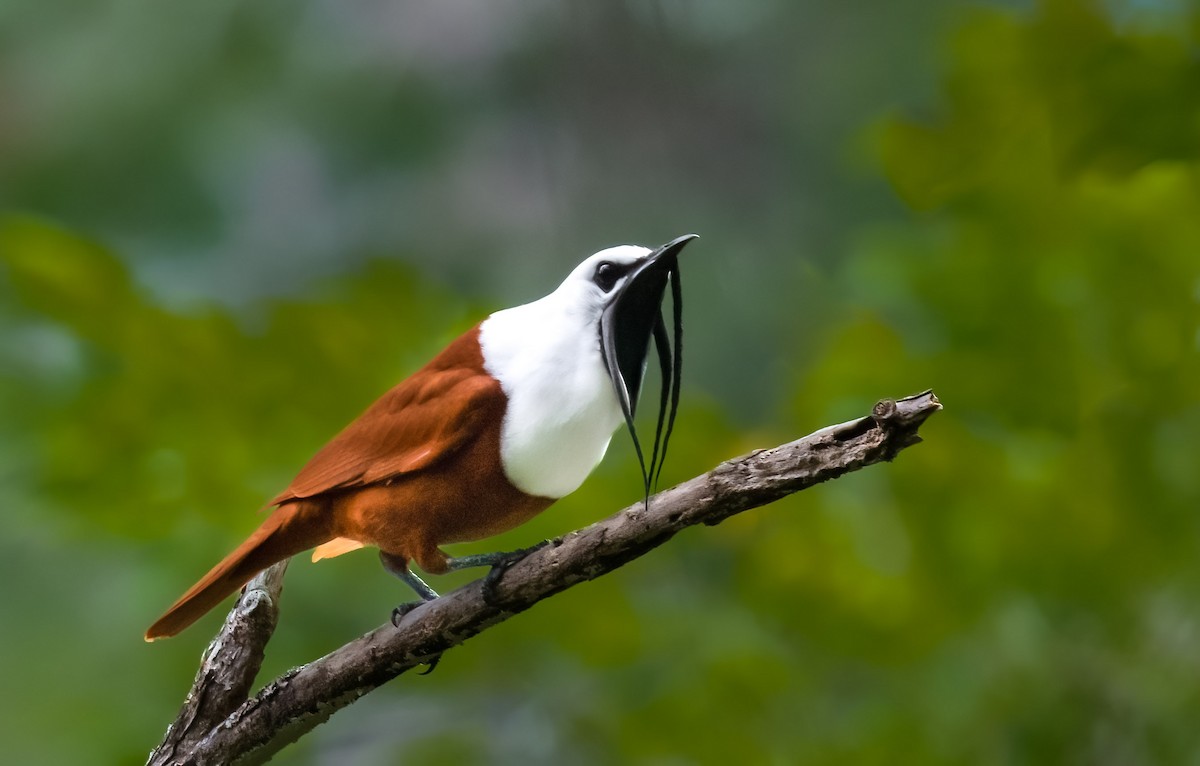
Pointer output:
229, 226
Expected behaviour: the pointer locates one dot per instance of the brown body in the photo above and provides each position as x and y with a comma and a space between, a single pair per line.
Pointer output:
419, 469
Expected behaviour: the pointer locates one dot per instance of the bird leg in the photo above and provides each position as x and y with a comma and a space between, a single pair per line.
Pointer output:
500, 562
398, 565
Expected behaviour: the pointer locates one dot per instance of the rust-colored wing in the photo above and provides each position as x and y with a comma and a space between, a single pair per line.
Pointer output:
417, 424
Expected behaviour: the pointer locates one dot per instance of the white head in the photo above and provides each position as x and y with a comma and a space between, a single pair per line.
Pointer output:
587, 290
572, 363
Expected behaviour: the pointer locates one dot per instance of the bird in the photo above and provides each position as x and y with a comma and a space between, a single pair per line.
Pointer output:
511, 416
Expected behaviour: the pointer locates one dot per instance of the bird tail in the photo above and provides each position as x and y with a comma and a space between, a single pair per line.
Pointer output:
293, 527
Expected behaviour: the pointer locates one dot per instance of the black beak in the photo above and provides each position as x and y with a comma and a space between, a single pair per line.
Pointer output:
632, 317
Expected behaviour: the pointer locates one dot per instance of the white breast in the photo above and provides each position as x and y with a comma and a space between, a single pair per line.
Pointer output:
561, 407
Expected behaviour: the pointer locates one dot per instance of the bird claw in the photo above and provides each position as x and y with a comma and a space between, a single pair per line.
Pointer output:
431, 665
502, 565
398, 615
399, 612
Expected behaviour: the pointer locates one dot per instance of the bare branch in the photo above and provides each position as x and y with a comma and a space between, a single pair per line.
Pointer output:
305, 697
227, 667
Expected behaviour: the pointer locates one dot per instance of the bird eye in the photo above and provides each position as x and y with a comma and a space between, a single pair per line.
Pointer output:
607, 275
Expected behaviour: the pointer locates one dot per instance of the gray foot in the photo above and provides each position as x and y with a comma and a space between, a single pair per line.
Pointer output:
499, 562
399, 567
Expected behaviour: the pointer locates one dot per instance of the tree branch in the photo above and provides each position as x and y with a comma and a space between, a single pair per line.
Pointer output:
227, 667
213, 728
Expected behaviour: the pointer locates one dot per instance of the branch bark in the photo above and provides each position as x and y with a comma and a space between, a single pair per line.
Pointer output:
219, 725
227, 667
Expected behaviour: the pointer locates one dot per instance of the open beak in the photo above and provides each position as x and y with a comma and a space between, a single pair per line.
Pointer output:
632, 318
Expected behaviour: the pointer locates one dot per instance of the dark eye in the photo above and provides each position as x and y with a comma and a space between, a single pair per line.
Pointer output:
607, 275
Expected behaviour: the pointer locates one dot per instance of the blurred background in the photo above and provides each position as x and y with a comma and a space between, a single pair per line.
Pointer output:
228, 226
